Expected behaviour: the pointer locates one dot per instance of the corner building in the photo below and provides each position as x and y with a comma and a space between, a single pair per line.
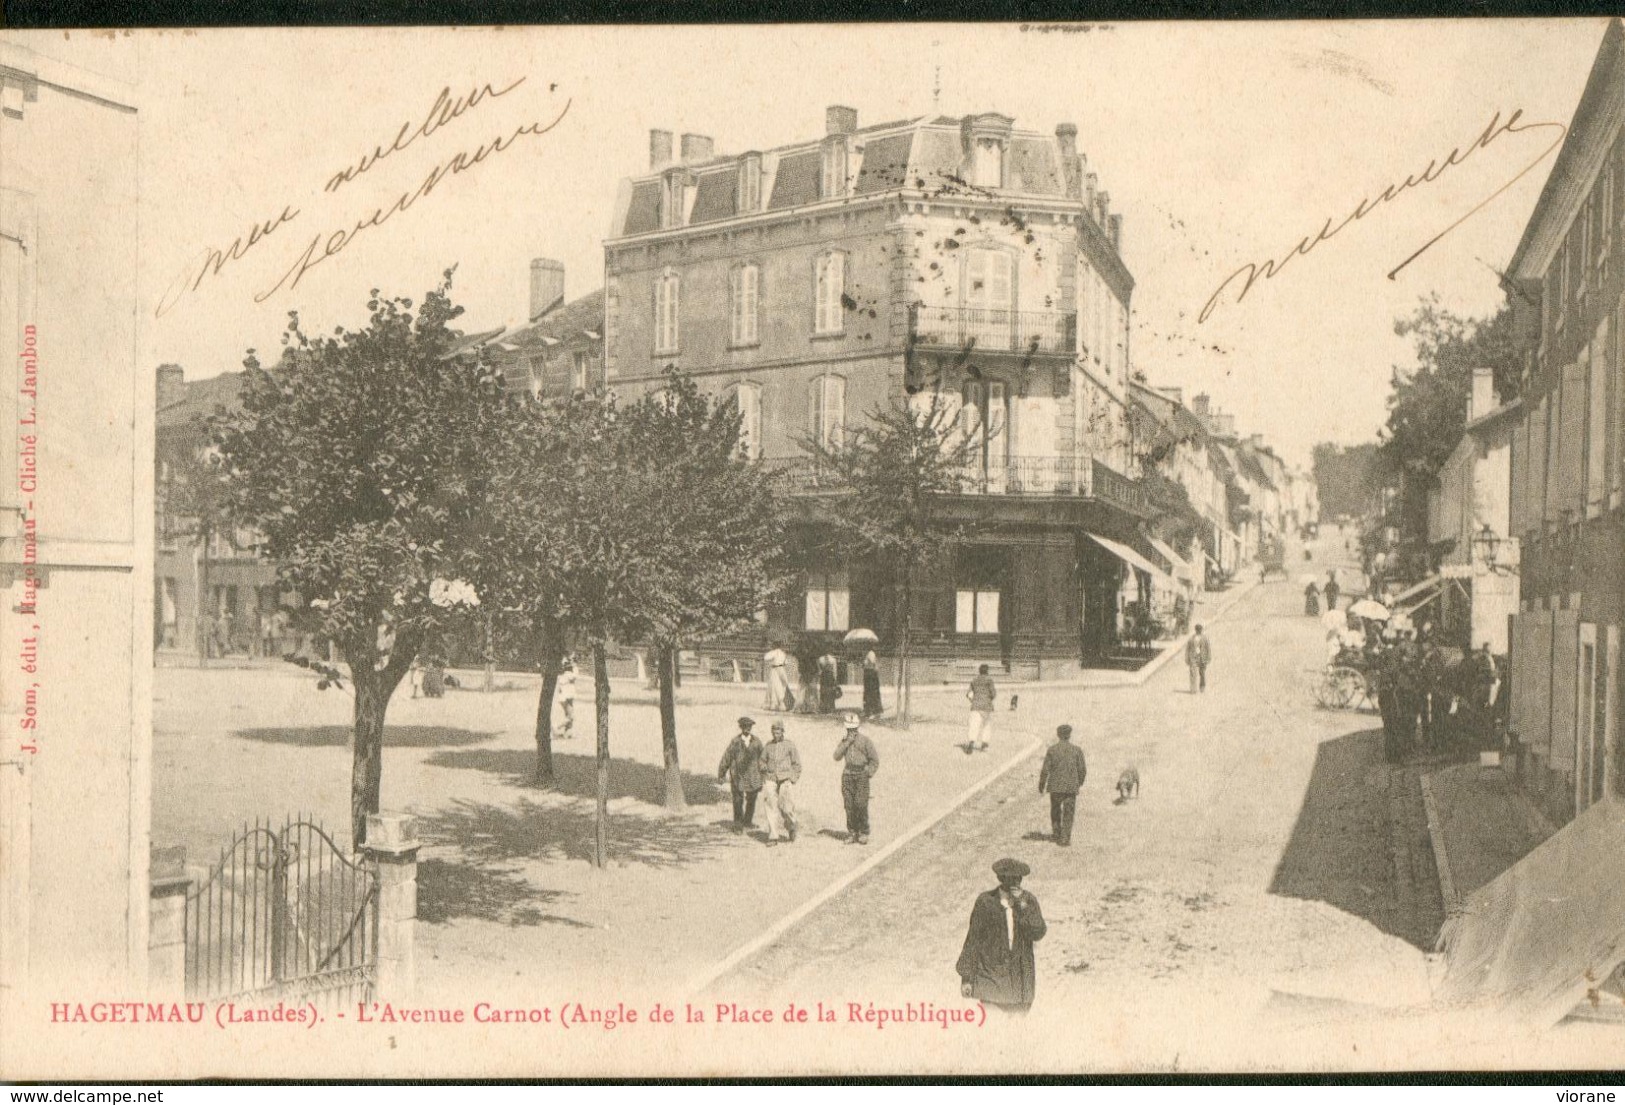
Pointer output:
820, 281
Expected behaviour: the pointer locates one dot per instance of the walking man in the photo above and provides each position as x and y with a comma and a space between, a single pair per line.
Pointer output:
1198, 653
1061, 777
742, 766
861, 763
996, 964
781, 771
1331, 590
981, 694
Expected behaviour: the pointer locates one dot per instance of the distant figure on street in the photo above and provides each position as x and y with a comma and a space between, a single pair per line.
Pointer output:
828, 688
861, 763
981, 694
742, 766
996, 964
778, 683
565, 694
871, 685
1198, 654
1061, 777
781, 771
1331, 589
1311, 600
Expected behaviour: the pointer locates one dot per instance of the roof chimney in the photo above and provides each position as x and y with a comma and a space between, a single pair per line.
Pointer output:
1483, 398
171, 385
659, 149
1199, 403
840, 120
546, 286
1071, 166
1091, 187
696, 148
1114, 229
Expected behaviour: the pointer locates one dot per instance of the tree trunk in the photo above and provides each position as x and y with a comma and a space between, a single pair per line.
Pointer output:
205, 621
600, 687
905, 651
367, 768
551, 654
675, 798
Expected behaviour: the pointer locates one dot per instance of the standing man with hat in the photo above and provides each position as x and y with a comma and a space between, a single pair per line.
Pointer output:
996, 964
1061, 776
1198, 654
861, 763
741, 766
781, 771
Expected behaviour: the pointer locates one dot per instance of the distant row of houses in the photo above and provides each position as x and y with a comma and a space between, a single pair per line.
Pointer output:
816, 282
1527, 523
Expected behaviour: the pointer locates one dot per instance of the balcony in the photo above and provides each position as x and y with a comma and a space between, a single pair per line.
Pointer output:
1028, 477
996, 330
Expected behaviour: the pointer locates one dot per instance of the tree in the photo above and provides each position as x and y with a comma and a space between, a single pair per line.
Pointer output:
1427, 406
715, 555
1345, 478
892, 474
362, 459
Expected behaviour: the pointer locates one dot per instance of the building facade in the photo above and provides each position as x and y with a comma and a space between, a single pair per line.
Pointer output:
75, 535
1567, 503
821, 281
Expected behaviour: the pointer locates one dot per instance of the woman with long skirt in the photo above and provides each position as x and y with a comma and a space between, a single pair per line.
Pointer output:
871, 685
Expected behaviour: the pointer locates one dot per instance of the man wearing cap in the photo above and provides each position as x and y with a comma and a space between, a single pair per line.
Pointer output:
861, 763
1061, 776
781, 771
996, 964
741, 766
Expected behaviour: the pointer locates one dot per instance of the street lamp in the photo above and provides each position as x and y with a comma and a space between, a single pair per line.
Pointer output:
1488, 546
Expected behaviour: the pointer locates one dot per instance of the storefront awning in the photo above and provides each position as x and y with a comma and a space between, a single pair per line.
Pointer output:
1182, 570
1412, 590
1547, 931
1128, 556
1414, 598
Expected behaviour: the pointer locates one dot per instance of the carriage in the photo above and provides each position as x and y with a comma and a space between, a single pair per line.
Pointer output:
1351, 681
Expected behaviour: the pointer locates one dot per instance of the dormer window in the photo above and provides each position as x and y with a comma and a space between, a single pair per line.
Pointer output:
674, 198
750, 184
987, 164
835, 168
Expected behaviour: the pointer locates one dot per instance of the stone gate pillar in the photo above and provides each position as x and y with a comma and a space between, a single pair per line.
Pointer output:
166, 929
392, 847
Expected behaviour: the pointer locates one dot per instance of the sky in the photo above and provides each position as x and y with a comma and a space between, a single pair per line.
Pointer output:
1221, 145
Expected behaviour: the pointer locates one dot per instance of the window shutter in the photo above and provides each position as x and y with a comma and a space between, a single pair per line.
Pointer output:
1596, 465
835, 410
1571, 489
815, 401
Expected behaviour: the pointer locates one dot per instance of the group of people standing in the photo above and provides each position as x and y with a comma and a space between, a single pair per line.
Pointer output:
773, 770
820, 682
1430, 702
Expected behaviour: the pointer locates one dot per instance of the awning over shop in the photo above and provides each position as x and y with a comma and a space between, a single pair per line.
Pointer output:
1128, 556
1414, 595
1548, 931
1182, 570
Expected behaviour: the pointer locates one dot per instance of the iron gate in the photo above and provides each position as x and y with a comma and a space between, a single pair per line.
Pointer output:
283, 915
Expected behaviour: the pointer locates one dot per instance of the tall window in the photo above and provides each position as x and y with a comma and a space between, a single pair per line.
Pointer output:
989, 294
829, 411
743, 295
834, 177
987, 165
748, 398
667, 290
750, 184
583, 370
829, 288
976, 611
829, 601
984, 420
1596, 493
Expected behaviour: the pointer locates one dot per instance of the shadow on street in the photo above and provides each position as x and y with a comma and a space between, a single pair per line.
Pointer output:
449, 890
1339, 852
577, 775
338, 736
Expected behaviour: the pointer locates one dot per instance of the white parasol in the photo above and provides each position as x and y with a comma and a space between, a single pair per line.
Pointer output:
1370, 608
861, 637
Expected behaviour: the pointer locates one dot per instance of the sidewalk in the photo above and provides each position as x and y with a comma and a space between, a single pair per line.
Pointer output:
1480, 825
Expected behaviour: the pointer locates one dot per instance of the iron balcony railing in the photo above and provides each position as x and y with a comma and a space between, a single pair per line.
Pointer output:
996, 330
1052, 476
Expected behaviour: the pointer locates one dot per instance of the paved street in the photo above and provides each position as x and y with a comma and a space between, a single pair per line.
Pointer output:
1270, 850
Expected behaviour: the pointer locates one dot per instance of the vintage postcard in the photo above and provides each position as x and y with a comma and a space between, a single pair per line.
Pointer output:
812, 550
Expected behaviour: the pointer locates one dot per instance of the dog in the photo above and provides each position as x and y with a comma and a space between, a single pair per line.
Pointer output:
1128, 784
1015, 698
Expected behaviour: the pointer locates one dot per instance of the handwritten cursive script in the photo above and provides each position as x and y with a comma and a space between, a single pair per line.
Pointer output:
321, 248
1252, 272
444, 110
214, 260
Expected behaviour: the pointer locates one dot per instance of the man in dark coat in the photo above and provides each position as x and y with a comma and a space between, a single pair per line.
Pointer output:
1061, 776
860, 761
1331, 590
996, 965
741, 766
